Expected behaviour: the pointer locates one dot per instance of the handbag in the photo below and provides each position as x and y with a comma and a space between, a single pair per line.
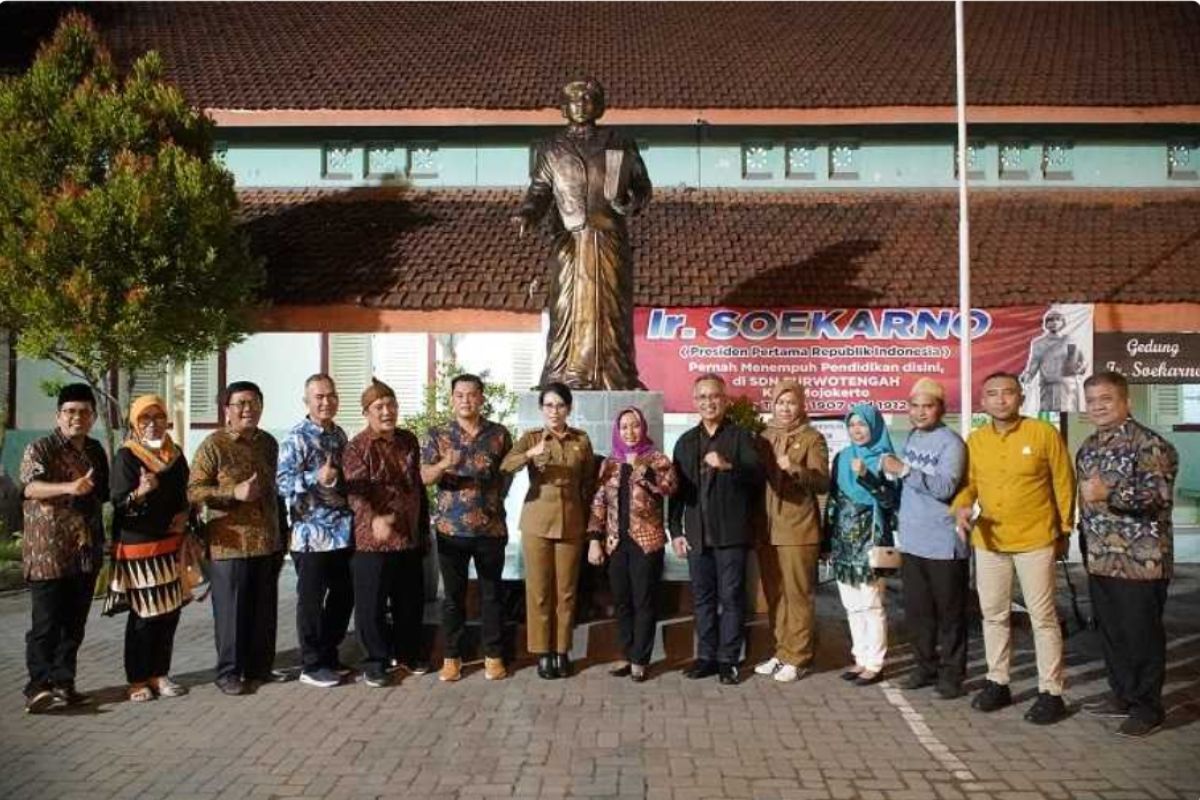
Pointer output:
882, 557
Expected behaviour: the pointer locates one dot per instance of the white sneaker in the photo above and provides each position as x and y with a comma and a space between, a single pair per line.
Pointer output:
768, 667
787, 673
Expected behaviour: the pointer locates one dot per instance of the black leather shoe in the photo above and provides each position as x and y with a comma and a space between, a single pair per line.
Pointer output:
729, 675
700, 669
868, 678
851, 675
949, 690
917, 680
1047, 709
545, 667
562, 665
232, 685
621, 672
992, 697
1108, 708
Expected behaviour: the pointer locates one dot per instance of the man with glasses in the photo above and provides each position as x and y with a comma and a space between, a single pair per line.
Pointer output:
720, 481
65, 480
462, 459
1127, 490
233, 476
310, 483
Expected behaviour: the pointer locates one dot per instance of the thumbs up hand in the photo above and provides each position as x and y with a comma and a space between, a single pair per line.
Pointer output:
83, 485
248, 490
327, 475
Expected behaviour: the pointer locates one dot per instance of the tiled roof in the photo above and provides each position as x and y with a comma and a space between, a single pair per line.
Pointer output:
485, 55
408, 249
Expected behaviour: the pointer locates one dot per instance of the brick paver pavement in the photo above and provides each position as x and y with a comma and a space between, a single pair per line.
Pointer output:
592, 735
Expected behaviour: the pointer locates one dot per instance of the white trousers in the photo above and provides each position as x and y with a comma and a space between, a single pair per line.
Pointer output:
868, 622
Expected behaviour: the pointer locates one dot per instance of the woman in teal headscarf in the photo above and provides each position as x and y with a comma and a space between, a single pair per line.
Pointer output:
860, 514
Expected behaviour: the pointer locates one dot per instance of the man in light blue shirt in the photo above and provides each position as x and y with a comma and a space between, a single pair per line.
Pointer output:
936, 564
310, 483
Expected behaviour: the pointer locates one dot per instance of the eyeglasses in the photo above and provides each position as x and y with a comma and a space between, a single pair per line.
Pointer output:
76, 412
243, 404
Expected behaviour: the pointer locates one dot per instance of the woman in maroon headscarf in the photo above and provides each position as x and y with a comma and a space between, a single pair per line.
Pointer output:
627, 526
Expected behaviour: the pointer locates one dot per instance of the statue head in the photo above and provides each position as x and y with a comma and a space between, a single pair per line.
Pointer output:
583, 101
1054, 321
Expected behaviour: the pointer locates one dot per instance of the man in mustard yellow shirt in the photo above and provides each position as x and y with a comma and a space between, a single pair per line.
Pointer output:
1020, 473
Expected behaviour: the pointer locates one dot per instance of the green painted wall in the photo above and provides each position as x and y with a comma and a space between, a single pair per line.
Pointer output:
709, 157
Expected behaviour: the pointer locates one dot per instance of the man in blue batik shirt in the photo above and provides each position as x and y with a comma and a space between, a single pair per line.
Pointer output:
310, 483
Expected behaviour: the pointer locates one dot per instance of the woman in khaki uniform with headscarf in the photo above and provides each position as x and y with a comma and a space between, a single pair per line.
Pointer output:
796, 460
562, 474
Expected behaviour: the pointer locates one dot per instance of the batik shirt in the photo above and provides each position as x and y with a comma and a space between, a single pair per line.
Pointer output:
236, 529
383, 476
470, 495
320, 515
63, 535
1128, 534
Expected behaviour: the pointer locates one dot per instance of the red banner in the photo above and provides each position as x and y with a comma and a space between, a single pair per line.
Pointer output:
848, 356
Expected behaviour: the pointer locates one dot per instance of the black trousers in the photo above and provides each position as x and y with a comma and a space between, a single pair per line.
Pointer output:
389, 605
454, 554
935, 611
59, 616
149, 643
1130, 617
633, 576
718, 577
245, 598
324, 603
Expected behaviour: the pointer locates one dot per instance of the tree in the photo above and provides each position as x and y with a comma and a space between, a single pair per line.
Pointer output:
499, 402
119, 245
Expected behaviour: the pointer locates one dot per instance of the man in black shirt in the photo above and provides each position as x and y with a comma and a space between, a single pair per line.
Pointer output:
720, 480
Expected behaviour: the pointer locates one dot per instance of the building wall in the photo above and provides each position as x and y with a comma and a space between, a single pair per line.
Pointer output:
902, 156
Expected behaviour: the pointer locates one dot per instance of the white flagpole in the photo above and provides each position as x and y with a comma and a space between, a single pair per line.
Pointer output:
964, 227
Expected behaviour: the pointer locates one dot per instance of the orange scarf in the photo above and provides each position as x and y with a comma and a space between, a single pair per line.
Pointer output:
155, 460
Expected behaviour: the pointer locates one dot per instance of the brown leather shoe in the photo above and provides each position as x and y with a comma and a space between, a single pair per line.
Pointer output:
493, 669
451, 670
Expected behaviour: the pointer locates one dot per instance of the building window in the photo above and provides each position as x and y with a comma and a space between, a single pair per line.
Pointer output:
801, 161
756, 161
1014, 161
1183, 161
1058, 161
975, 170
204, 382
423, 160
384, 160
337, 160
843, 160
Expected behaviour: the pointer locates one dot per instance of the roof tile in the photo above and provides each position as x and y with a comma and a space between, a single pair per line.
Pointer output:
738, 248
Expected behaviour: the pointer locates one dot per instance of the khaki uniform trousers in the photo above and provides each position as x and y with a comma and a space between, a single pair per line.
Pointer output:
993, 579
551, 575
789, 581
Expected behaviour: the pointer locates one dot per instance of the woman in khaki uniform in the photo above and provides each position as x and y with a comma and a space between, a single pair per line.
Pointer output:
796, 460
562, 472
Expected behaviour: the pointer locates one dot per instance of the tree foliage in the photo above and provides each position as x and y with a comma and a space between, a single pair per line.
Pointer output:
499, 402
119, 245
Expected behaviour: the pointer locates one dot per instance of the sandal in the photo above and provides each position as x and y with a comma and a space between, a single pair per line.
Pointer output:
140, 694
165, 687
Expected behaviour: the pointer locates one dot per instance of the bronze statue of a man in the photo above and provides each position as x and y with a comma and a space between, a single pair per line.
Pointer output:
595, 178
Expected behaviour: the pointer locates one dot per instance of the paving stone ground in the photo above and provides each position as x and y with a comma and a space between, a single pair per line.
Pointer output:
592, 735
